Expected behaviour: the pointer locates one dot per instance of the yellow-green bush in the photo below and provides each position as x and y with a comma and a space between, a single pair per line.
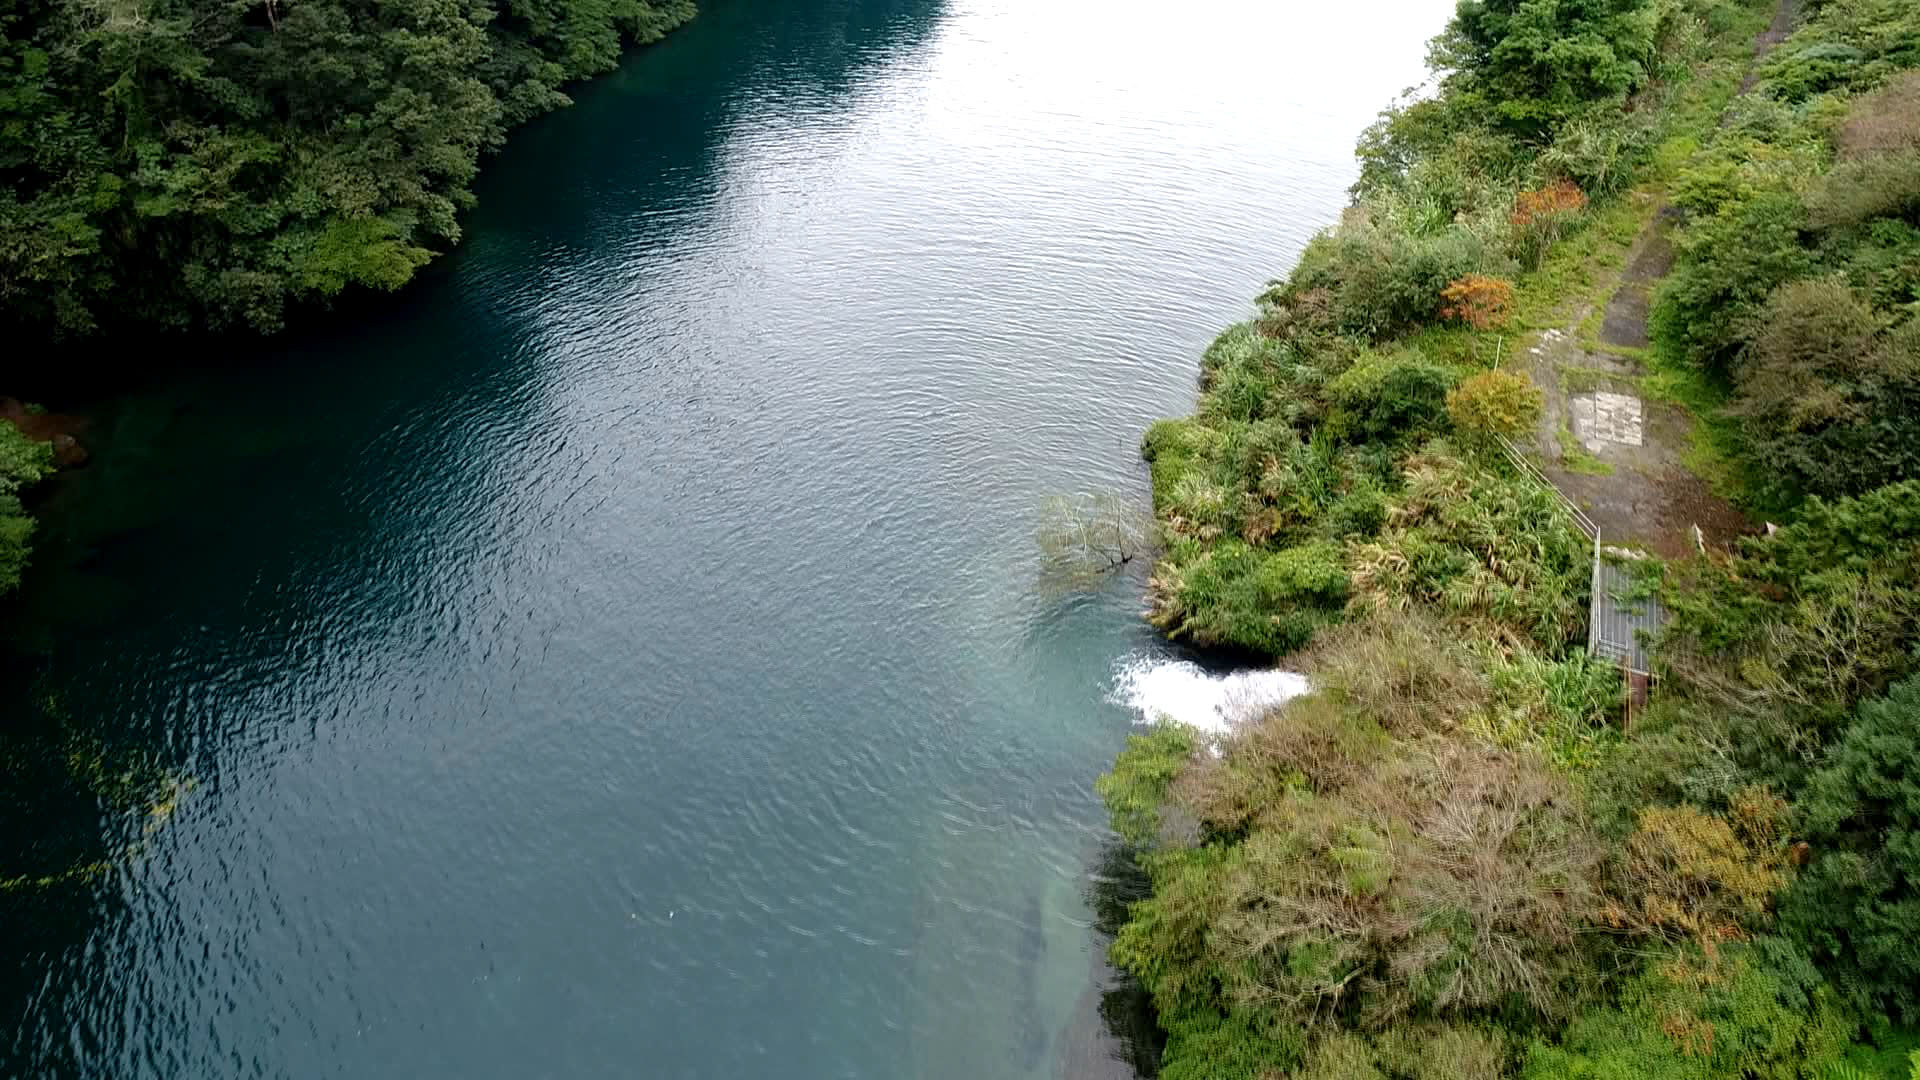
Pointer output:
1495, 403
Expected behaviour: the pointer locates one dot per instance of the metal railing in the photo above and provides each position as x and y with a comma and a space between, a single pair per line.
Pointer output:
1598, 644
1580, 519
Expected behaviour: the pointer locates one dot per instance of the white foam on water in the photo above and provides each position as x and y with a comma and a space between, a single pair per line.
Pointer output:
1181, 691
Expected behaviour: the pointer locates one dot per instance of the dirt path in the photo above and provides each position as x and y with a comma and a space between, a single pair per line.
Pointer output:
1609, 446
1616, 451
1776, 32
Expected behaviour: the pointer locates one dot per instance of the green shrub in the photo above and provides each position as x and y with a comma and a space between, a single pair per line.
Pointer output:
1138, 784
1748, 230
1198, 505
1727, 266
1236, 595
1175, 442
1846, 44
1435, 153
1183, 457
1779, 646
1164, 941
1313, 573
1212, 1048
1855, 536
1563, 707
1883, 185
1812, 327
1369, 280
1390, 398
1494, 550
1536, 63
1358, 513
16, 535
1246, 375
1881, 259
1268, 456
1804, 70
1598, 150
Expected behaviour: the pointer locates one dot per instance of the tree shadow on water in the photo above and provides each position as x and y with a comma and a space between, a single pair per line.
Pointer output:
1131, 1035
80, 808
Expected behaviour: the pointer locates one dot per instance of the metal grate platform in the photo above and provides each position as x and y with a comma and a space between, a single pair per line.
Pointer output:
1618, 629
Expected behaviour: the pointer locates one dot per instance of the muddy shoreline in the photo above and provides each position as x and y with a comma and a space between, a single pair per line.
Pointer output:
63, 430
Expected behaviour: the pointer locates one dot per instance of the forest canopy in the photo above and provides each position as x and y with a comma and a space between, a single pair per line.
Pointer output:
209, 163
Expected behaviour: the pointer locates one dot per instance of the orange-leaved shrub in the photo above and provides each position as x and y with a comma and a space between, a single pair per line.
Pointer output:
1540, 215
1482, 302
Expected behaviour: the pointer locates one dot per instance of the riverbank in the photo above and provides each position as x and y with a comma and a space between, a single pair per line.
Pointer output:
34, 444
60, 431
1449, 860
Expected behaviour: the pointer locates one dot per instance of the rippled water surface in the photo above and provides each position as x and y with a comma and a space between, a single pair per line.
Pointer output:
621, 655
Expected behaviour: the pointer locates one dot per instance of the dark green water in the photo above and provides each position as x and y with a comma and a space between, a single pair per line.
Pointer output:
621, 654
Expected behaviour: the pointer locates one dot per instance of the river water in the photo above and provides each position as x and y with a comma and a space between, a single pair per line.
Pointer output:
621, 655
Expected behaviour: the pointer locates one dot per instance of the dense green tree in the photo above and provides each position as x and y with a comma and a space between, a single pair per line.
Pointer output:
1858, 904
1757, 1010
1831, 402
1536, 63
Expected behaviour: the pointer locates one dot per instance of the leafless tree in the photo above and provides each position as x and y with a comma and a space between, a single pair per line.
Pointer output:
1084, 539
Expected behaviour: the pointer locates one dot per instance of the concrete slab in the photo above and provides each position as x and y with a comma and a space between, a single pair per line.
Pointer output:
1603, 417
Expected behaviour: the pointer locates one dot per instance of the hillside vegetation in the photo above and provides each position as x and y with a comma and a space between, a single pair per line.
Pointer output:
1449, 862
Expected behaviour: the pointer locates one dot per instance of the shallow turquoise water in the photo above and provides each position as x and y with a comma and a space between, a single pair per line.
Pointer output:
621, 655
